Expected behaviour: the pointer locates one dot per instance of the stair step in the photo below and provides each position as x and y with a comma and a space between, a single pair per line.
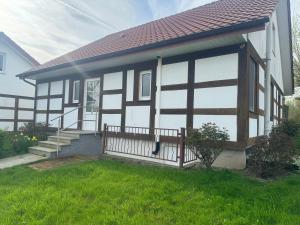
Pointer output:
69, 134
61, 139
51, 144
42, 151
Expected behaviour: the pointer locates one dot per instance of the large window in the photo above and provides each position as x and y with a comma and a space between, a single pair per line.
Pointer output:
2, 63
76, 91
253, 86
145, 85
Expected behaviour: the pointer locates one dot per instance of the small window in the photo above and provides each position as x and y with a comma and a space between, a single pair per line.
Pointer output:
252, 86
2, 63
76, 91
145, 85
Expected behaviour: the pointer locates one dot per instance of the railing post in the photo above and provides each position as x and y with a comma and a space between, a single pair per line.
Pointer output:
182, 147
104, 136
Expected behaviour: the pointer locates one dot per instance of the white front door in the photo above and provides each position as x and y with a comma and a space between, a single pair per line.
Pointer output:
91, 104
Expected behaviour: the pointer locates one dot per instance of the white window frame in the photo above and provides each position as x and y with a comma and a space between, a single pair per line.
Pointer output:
141, 97
73, 96
4, 63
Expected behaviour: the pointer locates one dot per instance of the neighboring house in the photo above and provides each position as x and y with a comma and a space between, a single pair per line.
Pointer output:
16, 96
228, 62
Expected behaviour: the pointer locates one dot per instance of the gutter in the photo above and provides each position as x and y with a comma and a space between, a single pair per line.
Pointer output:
268, 79
191, 37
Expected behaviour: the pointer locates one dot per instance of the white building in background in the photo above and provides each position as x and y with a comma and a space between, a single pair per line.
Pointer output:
16, 95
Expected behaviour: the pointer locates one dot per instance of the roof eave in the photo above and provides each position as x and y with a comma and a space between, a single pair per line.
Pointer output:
223, 30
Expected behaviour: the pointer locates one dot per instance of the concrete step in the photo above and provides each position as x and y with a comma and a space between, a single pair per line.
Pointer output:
42, 151
51, 144
70, 134
61, 139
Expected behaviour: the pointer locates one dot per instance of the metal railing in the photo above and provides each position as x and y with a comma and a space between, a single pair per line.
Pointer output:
59, 118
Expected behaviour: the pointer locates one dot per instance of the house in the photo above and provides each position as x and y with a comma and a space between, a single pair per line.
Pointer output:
228, 62
16, 96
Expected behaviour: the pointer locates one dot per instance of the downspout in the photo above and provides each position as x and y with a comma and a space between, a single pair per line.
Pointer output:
268, 78
157, 105
28, 82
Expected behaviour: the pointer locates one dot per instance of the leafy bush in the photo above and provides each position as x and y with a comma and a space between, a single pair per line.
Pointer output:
270, 155
38, 130
15, 143
288, 127
207, 143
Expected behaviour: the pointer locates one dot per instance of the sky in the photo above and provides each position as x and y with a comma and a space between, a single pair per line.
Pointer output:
49, 28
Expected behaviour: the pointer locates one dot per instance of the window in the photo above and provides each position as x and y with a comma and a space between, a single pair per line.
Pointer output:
145, 85
253, 86
2, 63
76, 91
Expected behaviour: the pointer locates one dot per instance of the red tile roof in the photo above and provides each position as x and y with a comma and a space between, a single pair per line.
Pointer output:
213, 16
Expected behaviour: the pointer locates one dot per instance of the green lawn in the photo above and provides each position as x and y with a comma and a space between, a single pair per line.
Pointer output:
111, 192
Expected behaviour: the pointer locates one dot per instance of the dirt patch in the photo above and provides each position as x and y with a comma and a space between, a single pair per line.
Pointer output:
55, 163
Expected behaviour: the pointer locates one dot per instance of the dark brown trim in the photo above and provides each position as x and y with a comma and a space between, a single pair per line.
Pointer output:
100, 103
217, 111
49, 96
16, 114
63, 103
261, 88
173, 111
112, 92
49, 111
254, 54
153, 96
217, 83
17, 96
81, 102
124, 94
190, 94
174, 87
243, 115
261, 112
253, 115
48, 104
140, 103
13, 108
111, 111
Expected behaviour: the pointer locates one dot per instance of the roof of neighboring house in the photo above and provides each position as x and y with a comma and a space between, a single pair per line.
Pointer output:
21, 51
210, 19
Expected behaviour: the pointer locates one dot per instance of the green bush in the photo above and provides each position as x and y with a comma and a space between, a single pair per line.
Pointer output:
290, 128
207, 143
15, 143
38, 130
270, 155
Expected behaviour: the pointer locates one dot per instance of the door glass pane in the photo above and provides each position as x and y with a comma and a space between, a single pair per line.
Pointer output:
92, 96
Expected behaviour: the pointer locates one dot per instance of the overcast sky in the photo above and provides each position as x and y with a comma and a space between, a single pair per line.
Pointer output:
49, 28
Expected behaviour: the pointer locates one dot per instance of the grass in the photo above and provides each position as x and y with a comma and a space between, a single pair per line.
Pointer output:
111, 192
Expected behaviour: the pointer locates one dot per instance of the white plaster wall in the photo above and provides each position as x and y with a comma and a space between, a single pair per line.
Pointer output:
70, 118
174, 99
55, 122
252, 127
172, 121
7, 102
25, 115
55, 104
26, 103
112, 101
219, 97
137, 116
15, 64
7, 126
41, 104
130, 85
42, 89
67, 89
41, 118
176, 73
261, 100
227, 121
261, 125
111, 119
113, 81
261, 76
258, 40
216, 68
7, 114
56, 88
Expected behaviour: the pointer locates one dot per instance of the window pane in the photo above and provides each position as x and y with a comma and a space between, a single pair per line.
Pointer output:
146, 85
252, 85
1, 62
76, 91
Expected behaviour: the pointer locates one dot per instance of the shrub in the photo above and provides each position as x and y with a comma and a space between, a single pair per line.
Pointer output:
288, 127
38, 130
207, 143
270, 155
